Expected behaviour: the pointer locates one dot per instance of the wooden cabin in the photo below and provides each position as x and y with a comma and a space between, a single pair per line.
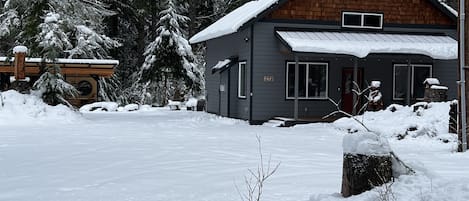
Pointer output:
82, 73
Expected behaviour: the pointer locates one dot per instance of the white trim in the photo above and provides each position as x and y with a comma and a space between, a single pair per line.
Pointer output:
362, 16
239, 79
307, 74
412, 79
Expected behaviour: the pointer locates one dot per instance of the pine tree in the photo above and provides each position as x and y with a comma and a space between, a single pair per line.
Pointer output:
169, 60
53, 42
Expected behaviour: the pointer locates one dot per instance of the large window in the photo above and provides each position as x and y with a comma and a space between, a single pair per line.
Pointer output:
362, 20
242, 80
418, 74
312, 80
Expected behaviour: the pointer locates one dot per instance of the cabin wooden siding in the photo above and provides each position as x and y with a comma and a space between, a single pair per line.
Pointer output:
420, 12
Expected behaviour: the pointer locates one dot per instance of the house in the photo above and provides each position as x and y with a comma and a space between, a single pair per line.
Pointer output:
82, 73
287, 58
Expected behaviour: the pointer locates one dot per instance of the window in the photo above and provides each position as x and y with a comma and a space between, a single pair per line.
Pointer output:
242, 80
362, 20
418, 75
312, 80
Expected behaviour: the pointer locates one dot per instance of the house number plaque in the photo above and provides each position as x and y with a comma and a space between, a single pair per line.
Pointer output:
268, 78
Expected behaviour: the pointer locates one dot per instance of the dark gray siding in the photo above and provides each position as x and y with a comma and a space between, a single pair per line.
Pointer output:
270, 58
220, 49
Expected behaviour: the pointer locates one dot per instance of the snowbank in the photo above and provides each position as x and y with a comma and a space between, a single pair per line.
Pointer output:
114, 107
29, 109
431, 119
100, 107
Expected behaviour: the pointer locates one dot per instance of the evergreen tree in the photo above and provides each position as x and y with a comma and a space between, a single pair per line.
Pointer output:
169, 60
53, 42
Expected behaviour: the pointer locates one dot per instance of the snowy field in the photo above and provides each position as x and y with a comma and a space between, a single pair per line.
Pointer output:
160, 155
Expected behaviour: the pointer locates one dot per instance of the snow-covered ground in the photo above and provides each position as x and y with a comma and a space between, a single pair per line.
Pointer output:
164, 155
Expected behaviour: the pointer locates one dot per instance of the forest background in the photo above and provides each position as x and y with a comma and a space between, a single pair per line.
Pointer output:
148, 37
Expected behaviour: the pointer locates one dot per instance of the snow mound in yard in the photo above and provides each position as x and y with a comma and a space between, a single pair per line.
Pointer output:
26, 109
114, 107
100, 107
430, 119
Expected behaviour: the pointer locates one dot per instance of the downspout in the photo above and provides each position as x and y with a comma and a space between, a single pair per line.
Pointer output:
251, 74
462, 73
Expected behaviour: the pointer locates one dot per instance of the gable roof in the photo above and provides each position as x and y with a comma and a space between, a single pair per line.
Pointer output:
234, 20
239, 17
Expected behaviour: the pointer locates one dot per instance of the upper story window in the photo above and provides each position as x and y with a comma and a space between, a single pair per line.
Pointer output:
362, 20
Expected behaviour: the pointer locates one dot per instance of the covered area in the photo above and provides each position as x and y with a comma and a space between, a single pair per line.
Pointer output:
361, 48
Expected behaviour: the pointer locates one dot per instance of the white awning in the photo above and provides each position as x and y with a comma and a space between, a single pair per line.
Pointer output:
363, 44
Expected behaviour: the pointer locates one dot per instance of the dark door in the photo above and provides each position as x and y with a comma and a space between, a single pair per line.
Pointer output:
347, 88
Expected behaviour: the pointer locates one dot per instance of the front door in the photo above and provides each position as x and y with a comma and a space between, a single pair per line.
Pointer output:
347, 88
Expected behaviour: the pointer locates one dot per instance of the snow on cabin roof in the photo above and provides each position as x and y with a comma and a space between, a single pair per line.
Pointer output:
69, 61
233, 21
363, 44
448, 7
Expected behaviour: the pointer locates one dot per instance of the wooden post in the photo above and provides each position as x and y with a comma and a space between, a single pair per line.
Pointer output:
20, 70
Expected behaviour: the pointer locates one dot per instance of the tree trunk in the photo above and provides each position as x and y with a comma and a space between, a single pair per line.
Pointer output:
362, 172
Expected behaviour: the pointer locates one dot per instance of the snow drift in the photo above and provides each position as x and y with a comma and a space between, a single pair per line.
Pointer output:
430, 119
16, 108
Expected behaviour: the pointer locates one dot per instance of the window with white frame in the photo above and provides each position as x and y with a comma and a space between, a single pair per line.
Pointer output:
312, 80
362, 20
242, 80
418, 74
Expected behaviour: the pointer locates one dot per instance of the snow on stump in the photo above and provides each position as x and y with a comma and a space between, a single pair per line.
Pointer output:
367, 162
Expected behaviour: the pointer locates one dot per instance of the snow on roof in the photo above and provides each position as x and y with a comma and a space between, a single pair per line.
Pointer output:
68, 61
449, 8
233, 21
431, 81
221, 64
363, 44
439, 87
20, 49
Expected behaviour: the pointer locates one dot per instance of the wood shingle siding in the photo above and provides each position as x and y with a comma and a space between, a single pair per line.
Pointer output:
402, 11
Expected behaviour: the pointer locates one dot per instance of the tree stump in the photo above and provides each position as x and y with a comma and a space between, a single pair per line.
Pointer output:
363, 172
367, 162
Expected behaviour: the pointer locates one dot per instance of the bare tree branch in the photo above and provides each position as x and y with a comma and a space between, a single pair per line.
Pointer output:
255, 181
